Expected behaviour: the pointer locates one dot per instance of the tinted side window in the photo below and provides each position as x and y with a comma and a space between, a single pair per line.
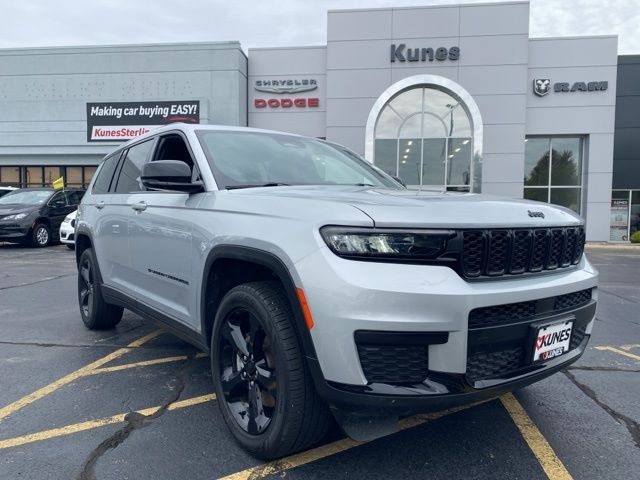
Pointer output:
101, 185
136, 157
74, 197
58, 199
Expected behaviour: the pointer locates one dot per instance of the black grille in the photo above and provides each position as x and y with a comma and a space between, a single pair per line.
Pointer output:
577, 336
521, 311
394, 363
489, 364
572, 299
497, 252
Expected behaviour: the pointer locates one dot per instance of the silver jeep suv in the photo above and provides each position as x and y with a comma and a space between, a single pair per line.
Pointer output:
321, 287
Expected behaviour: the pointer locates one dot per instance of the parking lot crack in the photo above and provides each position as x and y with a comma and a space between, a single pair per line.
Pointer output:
631, 425
35, 282
136, 420
604, 369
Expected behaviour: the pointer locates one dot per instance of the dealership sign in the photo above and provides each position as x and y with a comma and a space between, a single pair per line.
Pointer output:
542, 86
401, 53
115, 121
290, 87
286, 86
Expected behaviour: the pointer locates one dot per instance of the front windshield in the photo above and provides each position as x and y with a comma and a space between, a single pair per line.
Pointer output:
26, 197
247, 159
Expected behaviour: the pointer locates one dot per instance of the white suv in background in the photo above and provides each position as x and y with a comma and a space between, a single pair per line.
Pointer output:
321, 287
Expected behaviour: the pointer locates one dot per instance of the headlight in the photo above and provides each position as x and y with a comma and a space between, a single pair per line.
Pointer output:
17, 216
386, 243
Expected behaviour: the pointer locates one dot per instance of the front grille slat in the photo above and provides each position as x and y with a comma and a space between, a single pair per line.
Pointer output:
394, 364
500, 252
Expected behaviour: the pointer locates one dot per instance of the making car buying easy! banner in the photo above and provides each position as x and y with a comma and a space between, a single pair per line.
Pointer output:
116, 121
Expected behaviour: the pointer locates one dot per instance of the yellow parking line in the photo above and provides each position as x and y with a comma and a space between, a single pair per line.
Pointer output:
302, 458
630, 347
100, 422
617, 350
145, 363
547, 458
46, 390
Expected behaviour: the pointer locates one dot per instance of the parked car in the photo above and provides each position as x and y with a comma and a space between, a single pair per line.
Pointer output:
67, 230
324, 288
34, 215
5, 190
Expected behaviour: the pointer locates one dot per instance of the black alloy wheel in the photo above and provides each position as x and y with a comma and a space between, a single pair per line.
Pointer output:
96, 313
248, 371
85, 286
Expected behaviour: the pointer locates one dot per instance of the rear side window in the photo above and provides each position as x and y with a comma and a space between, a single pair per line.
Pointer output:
137, 156
74, 197
101, 185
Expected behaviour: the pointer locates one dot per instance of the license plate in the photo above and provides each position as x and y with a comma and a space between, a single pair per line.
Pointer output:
552, 341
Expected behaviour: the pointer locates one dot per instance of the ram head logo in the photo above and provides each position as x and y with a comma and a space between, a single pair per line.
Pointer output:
541, 86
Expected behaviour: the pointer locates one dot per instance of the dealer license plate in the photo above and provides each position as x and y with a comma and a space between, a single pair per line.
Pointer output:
552, 341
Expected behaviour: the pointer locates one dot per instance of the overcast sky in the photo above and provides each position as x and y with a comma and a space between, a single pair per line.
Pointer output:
264, 23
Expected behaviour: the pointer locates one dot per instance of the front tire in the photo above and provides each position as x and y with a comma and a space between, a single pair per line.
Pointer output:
41, 235
96, 313
264, 389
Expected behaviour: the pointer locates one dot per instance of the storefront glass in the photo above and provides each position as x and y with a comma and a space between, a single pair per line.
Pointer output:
625, 215
423, 135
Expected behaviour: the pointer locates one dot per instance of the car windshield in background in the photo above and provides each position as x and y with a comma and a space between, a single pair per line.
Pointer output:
253, 159
26, 197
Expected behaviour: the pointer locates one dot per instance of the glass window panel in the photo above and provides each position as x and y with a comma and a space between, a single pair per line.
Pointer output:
136, 157
408, 102
536, 161
434, 150
634, 218
438, 102
565, 161
434, 127
409, 166
461, 126
10, 175
411, 127
537, 194
73, 176
567, 197
619, 216
458, 172
386, 155
388, 124
51, 174
89, 172
34, 176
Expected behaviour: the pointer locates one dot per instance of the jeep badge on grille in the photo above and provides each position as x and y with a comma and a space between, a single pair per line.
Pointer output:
535, 214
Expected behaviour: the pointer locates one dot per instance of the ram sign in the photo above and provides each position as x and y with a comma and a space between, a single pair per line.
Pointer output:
119, 121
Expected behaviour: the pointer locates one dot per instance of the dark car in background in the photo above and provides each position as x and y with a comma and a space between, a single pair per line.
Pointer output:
5, 190
33, 215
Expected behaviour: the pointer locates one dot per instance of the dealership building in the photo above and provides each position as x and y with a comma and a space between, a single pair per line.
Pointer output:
455, 97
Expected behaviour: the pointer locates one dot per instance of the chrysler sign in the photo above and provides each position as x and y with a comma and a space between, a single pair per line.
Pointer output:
116, 121
286, 86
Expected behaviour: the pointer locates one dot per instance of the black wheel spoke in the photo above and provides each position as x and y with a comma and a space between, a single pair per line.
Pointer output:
258, 421
84, 273
234, 336
84, 293
231, 380
266, 377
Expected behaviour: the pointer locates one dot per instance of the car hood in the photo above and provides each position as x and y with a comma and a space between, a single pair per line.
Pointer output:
414, 208
13, 208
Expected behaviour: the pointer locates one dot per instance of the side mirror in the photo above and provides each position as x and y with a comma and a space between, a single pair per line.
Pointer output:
399, 180
171, 175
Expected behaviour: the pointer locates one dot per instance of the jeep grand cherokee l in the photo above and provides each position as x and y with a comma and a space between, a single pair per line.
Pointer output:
321, 287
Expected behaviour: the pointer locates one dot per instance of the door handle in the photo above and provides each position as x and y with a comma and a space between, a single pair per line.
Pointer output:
139, 207
99, 205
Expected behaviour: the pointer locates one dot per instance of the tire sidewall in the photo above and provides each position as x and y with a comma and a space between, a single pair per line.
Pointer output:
38, 227
270, 438
88, 255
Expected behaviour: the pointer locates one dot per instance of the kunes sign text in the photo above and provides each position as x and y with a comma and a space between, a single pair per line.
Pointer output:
401, 53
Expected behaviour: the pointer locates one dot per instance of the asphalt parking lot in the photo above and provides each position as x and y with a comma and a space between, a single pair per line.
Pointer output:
137, 403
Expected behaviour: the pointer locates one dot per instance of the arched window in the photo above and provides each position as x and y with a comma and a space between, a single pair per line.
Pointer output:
425, 136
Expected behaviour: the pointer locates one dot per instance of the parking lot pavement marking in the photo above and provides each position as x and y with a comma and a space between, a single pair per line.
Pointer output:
630, 347
617, 350
99, 422
549, 461
145, 363
329, 449
70, 377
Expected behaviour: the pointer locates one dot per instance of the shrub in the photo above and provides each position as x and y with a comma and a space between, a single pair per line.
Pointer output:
635, 237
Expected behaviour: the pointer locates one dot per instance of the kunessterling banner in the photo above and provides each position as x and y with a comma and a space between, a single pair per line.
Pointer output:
119, 121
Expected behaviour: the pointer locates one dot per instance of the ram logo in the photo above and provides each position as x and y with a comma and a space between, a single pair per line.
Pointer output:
541, 86
535, 214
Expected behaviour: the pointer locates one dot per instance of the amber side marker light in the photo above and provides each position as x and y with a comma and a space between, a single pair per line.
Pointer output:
305, 308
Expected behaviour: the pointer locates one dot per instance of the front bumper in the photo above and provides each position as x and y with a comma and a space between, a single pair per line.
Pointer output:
67, 234
14, 231
347, 296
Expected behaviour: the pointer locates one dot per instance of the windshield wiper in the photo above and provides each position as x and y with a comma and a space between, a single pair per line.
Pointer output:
270, 184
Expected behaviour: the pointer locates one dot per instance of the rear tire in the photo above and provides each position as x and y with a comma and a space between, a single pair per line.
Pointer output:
96, 313
41, 235
263, 385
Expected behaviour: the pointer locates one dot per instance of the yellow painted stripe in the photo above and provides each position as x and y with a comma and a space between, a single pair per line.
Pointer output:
100, 422
145, 363
617, 350
545, 455
86, 370
630, 347
323, 451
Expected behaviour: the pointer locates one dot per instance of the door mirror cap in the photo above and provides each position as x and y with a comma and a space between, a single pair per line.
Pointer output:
170, 175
